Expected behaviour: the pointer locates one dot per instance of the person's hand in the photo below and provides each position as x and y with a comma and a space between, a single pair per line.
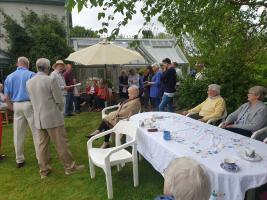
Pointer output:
223, 125
185, 112
229, 126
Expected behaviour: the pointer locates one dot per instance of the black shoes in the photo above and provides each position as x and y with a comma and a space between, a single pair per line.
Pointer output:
20, 165
2, 156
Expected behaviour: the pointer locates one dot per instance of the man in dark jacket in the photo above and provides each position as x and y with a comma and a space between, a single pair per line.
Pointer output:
169, 83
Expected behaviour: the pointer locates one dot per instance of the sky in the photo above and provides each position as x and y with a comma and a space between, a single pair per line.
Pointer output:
88, 18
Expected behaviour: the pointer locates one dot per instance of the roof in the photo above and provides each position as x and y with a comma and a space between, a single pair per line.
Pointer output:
153, 50
44, 2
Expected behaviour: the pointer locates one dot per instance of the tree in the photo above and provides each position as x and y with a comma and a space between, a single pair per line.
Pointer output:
147, 33
80, 31
38, 36
229, 36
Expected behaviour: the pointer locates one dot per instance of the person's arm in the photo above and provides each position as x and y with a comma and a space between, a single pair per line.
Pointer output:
197, 108
258, 122
57, 95
218, 111
233, 116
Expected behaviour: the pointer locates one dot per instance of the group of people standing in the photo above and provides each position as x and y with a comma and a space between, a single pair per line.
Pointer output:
157, 85
38, 100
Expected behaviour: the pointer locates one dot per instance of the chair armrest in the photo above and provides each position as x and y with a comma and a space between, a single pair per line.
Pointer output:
215, 119
108, 108
118, 149
189, 114
259, 132
90, 141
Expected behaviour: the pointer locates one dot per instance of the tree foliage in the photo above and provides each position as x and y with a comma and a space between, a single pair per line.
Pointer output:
147, 34
80, 31
229, 36
37, 36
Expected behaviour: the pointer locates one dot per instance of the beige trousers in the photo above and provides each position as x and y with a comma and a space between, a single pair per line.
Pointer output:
23, 115
59, 138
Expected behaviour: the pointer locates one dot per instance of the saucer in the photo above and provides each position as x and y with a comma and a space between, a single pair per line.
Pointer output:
235, 168
242, 154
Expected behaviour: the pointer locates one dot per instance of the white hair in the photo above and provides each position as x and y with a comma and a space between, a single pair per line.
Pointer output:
215, 87
23, 61
186, 179
42, 64
157, 65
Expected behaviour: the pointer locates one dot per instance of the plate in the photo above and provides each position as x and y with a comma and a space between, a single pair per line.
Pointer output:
235, 169
242, 154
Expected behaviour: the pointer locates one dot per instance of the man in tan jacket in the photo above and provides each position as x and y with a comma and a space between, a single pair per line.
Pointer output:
127, 108
47, 101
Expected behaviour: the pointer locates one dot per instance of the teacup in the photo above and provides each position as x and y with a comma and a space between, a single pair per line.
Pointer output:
229, 163
166, 135
250, 152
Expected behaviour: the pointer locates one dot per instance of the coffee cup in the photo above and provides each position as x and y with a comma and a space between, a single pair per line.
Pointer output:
166, 135
250, 152
229, 163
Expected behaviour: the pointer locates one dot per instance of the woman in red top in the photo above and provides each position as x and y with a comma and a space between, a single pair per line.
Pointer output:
102, 96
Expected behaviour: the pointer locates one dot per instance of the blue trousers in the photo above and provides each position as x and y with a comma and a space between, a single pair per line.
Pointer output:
155, 103
166, 102
69, 103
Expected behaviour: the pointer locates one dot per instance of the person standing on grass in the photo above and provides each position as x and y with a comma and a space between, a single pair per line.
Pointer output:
57, 74
68, 76
15, 92
47, 102
169, 82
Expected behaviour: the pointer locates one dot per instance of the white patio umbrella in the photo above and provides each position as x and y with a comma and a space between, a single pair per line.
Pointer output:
104, 53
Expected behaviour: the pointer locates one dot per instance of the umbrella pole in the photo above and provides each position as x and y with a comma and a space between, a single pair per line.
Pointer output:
105, 72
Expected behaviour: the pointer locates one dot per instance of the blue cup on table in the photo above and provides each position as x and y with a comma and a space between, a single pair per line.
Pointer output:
166, 135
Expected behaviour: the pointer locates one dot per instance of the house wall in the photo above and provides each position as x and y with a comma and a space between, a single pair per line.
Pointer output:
14, 9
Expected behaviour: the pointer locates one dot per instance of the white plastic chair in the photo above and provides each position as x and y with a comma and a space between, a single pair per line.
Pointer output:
104, 111
259, 133
118, 155
214, 119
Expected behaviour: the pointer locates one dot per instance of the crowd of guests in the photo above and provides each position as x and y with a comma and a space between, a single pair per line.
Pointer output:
157, 85
39, 100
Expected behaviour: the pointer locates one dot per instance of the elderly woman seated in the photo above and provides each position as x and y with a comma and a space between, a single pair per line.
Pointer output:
127, 108
212, 107
185, 179
250, 116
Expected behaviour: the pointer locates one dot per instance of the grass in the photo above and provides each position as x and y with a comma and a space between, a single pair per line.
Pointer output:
25, 183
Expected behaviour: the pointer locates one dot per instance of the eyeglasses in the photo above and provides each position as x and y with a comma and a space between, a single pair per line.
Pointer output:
251, 93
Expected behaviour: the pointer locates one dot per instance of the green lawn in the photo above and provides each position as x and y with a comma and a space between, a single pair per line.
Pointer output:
25, 183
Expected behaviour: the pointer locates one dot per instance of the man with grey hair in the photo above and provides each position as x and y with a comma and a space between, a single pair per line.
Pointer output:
186, 179
47, 101
213, 107
16, 93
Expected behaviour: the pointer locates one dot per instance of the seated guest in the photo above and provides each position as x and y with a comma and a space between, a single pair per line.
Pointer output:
185, 179
127, 108
250, 116
102, 96
212, 107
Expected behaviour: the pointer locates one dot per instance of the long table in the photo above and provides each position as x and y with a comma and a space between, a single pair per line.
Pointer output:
207, 144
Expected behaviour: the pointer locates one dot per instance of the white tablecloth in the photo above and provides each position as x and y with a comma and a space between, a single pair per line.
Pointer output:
192, 138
